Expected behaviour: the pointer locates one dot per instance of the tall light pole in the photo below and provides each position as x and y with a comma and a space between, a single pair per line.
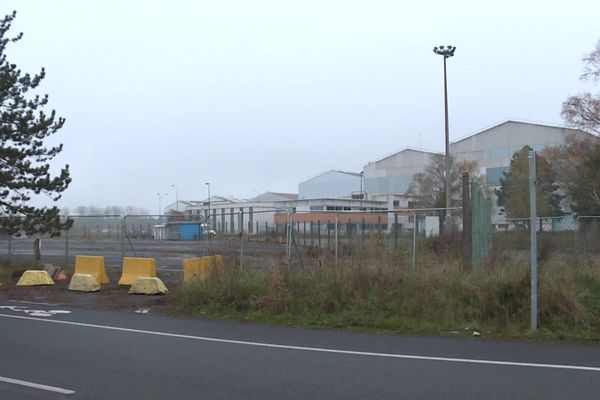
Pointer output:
446, 52
208, 215
176, 198
361, 189
160, 196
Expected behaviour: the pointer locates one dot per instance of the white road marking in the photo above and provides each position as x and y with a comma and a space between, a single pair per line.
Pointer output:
36, 385
33, 302
315, 349
34, 313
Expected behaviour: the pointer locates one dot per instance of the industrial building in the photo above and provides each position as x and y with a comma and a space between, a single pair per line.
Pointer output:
381, 186
492, 148
330, 184
394, 173
229, 215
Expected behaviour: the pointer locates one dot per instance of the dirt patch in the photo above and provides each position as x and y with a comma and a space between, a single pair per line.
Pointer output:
112, 296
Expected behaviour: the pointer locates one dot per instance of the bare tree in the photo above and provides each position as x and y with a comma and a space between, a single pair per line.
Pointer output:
583, 110
429, 185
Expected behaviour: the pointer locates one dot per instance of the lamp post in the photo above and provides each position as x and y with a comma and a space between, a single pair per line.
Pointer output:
446, 52
361, 189
160, 196
176, 198
208, 214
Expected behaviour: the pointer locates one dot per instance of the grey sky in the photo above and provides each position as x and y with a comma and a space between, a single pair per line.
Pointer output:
259, 95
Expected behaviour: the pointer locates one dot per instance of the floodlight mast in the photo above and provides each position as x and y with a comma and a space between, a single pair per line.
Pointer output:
446, 52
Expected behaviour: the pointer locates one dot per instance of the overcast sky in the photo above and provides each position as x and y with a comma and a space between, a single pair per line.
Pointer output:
260, 95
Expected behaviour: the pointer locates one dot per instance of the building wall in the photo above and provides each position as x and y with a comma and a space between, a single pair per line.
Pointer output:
395, 173
329, 184
493, 148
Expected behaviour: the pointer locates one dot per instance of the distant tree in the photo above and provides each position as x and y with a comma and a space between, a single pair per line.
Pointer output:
583, 110
576, 165
24, 168
81, 210
513, 194
428, 185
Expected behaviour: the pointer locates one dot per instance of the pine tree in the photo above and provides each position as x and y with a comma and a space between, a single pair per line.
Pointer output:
24, 159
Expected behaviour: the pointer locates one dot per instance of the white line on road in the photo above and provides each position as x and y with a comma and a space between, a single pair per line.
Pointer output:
36, 385
33, 302
315, 349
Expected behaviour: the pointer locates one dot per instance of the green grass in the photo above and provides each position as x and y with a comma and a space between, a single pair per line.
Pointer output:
380, 293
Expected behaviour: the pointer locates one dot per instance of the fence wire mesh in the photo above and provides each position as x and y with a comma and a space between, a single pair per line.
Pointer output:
402, 238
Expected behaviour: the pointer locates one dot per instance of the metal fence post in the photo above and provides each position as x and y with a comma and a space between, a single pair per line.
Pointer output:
414, 243
466, 221
395, 230
319, 234
241, 239
336, 239
123, 236
533, 237
9, 247
67, 245
289, 233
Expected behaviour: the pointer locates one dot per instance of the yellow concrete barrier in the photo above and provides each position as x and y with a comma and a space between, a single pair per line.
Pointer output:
200, 268
92, 265
135, 267
147, 285
35, 278
84, 283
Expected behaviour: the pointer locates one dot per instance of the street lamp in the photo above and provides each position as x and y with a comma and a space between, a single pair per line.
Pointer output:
160, 196
208, 215
446, 52
361, 189
176, 198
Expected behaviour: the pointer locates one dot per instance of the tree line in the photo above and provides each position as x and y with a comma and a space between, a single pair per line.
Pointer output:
107, 210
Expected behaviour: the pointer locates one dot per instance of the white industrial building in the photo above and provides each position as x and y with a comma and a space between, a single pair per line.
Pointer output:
394, 173
230, 215
330, 184
492, 148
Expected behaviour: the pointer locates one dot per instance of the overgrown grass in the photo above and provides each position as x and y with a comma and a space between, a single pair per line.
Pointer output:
8, 268
377, 291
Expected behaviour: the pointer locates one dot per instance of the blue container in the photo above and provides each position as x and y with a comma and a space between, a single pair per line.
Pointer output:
190, 231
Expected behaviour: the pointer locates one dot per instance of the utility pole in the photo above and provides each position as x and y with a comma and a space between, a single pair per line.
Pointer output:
208, 214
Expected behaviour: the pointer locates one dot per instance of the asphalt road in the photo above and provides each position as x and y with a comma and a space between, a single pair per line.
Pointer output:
126, 355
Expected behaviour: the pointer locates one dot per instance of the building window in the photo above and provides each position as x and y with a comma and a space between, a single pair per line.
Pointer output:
396, 203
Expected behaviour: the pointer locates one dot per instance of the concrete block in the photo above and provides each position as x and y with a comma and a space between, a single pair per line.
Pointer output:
84, 283
201, 268
93, 265
35, 278
135, 267
148, 285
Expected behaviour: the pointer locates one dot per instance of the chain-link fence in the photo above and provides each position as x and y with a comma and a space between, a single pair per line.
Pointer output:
408, 238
